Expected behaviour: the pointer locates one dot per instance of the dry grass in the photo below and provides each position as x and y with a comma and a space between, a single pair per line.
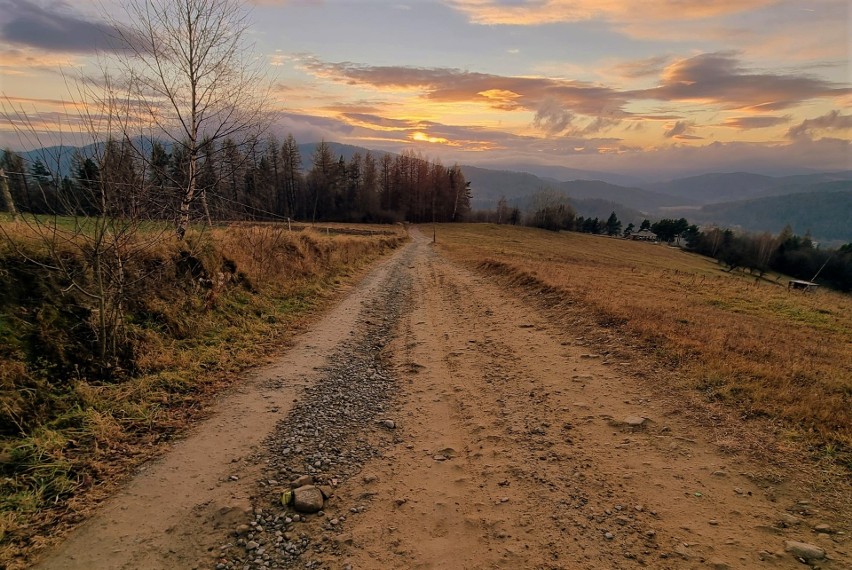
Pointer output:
203, 310
750, 345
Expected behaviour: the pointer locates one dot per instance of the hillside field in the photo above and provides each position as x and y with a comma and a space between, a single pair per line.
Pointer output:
750, 345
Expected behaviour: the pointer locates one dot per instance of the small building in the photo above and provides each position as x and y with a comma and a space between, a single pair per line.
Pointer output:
643, 235
799, 285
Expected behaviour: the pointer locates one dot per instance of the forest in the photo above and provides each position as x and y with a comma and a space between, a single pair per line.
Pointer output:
260, 180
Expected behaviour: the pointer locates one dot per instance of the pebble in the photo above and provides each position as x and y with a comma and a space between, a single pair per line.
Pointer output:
609, 536
634, 421
307, 499
302, 481
804, 550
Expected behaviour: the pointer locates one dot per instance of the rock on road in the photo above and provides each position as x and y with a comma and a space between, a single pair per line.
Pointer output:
448, 425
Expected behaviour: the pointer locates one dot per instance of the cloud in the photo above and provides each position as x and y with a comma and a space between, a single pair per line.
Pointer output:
28, 59
678, 129
599, 124
554, 101
58, 28
379, 122
540, 12
611, 154
720, 78
639, 68
754, 122
552, 118
714, 79
832, 121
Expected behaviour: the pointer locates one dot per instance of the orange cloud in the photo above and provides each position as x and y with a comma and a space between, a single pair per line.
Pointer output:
24, 59
754, 122
494, 12
497, 92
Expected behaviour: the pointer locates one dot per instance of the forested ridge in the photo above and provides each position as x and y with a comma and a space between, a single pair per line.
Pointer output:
263, 180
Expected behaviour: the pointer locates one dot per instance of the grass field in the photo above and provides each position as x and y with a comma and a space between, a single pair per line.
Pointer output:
67, 433
749, 344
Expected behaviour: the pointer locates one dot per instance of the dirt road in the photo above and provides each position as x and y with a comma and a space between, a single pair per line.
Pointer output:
511, 443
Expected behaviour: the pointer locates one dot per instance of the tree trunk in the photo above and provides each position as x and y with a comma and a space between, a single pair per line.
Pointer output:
7, 195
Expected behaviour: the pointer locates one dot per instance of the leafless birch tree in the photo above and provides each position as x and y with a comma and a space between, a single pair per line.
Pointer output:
196, 79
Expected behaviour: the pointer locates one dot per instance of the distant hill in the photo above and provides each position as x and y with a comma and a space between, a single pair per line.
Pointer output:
489, 185
636, 198
715, 188
563, 173
827, 215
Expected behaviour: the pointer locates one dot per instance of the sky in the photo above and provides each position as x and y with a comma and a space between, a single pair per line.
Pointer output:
652, 88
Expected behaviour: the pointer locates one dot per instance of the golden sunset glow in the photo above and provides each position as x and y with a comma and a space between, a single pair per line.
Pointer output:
423, 137
589, 83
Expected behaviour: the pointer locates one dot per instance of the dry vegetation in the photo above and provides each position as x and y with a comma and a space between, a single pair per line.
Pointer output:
198, 311
753, 346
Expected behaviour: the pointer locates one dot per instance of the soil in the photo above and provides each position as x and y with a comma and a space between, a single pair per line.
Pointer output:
452, 425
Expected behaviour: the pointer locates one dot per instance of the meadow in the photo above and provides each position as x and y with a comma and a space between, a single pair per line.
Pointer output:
749, 344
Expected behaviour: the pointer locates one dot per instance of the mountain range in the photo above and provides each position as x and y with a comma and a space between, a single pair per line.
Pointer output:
818, 203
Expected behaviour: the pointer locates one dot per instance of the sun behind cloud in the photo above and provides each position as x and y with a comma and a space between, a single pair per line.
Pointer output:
420, 136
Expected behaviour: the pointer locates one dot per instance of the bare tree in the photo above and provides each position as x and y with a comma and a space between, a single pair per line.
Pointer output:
90, 231
196, 80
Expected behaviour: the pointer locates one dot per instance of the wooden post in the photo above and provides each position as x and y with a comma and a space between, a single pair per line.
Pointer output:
7, 195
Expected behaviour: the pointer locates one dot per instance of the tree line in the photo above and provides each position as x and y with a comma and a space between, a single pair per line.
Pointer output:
259, 180
787, 253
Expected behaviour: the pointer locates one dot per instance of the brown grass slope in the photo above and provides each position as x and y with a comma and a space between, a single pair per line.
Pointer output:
197, 312
751, 345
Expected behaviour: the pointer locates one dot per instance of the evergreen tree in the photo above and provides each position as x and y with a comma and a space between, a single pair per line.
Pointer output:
613, 225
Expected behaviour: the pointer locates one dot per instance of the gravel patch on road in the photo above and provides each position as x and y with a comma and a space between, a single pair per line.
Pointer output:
339, 423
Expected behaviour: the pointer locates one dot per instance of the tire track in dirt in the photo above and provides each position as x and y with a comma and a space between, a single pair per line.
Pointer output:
517, 449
